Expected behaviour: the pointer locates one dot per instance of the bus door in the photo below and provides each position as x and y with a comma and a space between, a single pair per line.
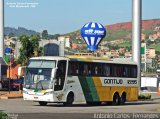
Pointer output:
60, 75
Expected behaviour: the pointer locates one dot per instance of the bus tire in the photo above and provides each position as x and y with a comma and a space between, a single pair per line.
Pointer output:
70, 99
116, 99
42, 103
123, 98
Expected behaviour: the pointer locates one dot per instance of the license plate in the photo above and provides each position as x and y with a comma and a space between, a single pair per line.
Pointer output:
35, 97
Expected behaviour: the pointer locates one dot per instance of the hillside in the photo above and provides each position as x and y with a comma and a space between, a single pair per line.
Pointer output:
146, 24
120, 34
123, 30
19, 31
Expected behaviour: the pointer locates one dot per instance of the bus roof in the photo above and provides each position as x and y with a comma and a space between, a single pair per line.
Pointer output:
85, 59
49, 58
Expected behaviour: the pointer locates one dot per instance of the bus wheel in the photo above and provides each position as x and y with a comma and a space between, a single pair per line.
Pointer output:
116, 99
42, 103
70, 99
123, 98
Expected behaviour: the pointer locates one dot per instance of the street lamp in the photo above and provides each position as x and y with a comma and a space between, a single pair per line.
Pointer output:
136, 33
1, 27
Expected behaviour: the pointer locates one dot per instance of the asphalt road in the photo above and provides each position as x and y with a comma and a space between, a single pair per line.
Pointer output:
20, 109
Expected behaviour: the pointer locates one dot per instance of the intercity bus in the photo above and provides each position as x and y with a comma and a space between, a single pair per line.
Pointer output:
78, 79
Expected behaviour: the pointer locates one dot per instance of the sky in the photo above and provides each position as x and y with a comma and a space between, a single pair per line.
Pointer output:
64, 16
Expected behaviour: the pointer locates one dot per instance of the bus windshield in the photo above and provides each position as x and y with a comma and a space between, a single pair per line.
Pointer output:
38, 74
37, 78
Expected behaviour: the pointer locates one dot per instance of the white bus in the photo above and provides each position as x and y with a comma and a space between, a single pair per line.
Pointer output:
79, 79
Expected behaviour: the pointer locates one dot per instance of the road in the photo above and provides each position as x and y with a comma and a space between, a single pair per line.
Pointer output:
31, 110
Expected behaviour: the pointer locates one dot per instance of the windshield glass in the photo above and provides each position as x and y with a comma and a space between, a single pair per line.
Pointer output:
38, 74
37, 78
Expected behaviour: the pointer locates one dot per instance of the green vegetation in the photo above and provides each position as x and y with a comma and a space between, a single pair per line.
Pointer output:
156, 46
4, 116
144, 96
148, 32
47, 36
124, 36
30, 47
44, 34
125, 44
11, 35
117, 34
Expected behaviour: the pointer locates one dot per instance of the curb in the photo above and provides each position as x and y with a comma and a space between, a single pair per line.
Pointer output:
145, 99
5, 97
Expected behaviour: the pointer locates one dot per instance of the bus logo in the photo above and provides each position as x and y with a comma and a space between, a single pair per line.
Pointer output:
113, 81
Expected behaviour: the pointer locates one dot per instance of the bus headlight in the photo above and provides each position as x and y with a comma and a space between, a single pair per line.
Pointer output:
47, 93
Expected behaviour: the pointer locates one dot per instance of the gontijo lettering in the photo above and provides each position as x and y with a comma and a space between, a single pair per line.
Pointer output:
113, 81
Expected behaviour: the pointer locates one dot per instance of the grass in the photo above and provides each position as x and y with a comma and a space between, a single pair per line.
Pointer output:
4, 116
144, 96
125, 44
156, 46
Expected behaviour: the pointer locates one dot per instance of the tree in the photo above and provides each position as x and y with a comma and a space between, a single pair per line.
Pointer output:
25, 50
53, 36
41, 51
35, 44
12, 45
45, 34
30, 48
10, 35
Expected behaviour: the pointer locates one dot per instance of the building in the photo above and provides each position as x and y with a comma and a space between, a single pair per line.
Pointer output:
143, 36
3, 69
66, 41
153, 37
51, 48
9, 41
150, 53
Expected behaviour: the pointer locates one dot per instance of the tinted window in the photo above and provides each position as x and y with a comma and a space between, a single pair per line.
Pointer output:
101, 69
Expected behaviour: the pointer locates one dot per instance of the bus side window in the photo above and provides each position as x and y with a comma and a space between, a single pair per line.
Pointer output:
77, 70
73, 69
119, 71
106, 69
89, 68
127, 71
85, 69
81, 68
112, 70
97, 69
133, 72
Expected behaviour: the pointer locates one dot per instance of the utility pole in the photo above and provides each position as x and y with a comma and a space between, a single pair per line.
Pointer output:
1, 28
136, 36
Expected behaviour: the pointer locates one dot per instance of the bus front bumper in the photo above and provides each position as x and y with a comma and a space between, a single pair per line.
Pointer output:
36, 96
